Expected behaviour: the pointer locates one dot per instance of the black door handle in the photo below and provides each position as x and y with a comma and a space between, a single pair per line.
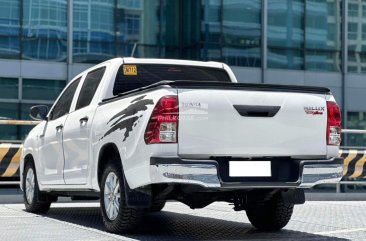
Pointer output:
257, 111
59, 127
84, 120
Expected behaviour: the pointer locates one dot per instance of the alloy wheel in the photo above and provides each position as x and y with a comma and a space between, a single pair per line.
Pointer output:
112, 196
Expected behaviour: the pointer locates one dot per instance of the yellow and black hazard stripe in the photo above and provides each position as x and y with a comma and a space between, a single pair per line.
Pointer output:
354, 163
9, 160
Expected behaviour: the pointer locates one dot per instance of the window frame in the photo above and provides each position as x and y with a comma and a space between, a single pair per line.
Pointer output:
78, 80
116, 91
83, 82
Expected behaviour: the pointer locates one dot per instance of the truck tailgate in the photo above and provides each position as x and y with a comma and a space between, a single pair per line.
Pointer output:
250, 123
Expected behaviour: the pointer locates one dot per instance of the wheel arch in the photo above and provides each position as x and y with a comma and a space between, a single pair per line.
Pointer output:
28, 158
108, 152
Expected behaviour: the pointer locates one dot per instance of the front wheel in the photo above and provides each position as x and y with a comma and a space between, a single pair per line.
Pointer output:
117, 216
270, 215
35, 201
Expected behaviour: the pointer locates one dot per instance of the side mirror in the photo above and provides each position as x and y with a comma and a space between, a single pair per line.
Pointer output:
39, 112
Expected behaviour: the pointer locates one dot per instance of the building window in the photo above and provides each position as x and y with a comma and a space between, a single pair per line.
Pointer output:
94, 33
231, 32
34, 92
352, 31
353, 9
356, 36
131, 23
9, 88
24, 111
356, 120
285, 34
241, 32
36, 89
146, 23
211, 25
44, 30
8, 111
9, 29
323, 35
130, 3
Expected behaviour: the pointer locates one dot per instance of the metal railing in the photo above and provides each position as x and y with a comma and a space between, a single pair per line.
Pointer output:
19, 122
353, 131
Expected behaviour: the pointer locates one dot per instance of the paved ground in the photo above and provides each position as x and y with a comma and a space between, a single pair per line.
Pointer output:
82, 221
12, 194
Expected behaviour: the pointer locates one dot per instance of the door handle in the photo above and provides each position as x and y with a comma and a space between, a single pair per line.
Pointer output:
59, 128
84, 120
257, 111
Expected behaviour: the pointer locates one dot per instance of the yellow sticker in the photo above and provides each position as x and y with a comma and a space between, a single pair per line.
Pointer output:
129, 70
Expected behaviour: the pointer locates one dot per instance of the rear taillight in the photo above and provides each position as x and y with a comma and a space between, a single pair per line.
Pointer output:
333, 124
163, 123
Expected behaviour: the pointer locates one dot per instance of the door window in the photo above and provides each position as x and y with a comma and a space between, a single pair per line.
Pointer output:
90, 85
62, 106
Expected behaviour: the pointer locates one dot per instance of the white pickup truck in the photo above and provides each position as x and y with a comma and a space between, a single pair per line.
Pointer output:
137, 132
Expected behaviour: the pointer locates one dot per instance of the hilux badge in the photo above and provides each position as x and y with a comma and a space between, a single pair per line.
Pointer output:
314, 110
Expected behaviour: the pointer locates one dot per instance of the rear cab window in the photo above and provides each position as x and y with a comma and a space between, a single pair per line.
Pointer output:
133, 76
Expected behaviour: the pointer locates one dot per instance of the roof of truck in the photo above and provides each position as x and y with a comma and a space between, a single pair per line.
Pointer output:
130, 60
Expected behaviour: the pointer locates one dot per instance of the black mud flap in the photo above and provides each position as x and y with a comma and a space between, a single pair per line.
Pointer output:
293, 196
137, 198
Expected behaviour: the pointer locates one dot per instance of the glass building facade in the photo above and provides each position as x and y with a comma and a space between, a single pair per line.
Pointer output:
315, 42
300, 34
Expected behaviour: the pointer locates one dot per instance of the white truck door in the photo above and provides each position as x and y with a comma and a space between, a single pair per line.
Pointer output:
51, 152
77, 130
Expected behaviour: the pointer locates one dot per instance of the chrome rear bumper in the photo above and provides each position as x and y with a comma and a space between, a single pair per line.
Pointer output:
200, 174
314, 174
206, 174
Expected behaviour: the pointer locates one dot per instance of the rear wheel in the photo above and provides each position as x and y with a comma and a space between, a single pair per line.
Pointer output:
35, 201
270, 215
117, 216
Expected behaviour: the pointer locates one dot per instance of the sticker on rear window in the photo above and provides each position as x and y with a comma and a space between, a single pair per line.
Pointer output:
129, 70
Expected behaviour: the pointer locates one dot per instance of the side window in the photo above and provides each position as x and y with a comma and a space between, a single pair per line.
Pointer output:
63, 105
90, 85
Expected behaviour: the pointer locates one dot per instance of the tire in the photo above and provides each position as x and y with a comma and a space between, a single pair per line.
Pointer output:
35, 201
271, 215
157, 206
122, 218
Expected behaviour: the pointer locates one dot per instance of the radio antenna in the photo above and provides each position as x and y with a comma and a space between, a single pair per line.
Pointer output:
133, 49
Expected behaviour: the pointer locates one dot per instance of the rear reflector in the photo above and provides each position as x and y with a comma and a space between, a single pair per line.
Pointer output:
333, 124
163, 123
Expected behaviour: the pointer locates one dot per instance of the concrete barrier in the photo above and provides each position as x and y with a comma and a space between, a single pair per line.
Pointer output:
9, 160
354, 163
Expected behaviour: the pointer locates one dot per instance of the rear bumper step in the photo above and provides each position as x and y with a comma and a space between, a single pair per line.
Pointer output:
211, 174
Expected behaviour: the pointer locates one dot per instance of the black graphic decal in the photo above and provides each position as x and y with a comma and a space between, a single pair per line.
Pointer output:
127, 118
131, 110
125, 124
